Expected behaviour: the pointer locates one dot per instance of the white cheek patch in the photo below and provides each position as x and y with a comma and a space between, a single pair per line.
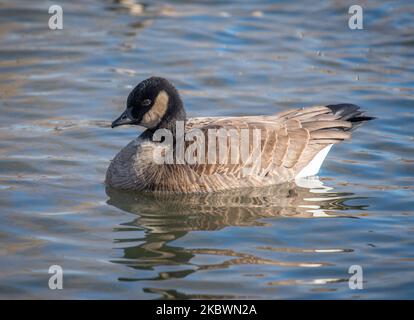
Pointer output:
154, 116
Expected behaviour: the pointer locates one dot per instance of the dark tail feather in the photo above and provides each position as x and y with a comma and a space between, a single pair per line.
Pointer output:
351, 113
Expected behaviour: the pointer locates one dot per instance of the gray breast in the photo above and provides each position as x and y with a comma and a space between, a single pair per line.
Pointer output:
123, 172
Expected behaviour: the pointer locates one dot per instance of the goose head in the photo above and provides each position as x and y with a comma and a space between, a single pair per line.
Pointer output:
154, 103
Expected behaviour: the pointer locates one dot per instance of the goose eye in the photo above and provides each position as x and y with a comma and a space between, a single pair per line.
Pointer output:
146, 103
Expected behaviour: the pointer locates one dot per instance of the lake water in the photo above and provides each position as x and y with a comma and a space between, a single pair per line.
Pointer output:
61, 89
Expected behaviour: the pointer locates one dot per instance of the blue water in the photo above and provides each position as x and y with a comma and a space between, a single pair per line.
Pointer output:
59, 91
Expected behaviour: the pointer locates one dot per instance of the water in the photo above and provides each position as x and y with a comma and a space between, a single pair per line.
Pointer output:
61, 89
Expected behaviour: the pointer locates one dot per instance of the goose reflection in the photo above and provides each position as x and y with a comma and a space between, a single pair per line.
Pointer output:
163, 218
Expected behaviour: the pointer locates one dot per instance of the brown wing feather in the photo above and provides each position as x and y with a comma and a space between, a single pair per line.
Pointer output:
290, 139
323, 128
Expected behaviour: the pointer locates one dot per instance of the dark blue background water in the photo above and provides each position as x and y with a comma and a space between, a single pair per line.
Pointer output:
59, 90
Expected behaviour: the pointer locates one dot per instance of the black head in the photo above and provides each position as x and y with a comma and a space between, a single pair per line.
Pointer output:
154, 103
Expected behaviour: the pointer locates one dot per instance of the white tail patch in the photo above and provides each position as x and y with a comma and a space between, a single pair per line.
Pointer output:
313, 167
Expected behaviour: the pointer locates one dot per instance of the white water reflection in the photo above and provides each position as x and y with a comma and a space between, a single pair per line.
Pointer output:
168, 218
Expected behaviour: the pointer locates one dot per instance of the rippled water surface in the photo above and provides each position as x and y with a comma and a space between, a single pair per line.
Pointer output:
60, 89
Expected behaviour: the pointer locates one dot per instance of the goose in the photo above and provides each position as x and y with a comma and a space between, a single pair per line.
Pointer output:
286, 146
